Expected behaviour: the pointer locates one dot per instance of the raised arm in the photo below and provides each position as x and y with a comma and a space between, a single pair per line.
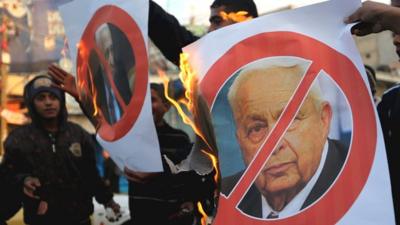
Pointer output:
167, 34
66, 82
375, 17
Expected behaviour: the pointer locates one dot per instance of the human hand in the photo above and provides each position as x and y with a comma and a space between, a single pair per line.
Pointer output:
30, 186
63, 80
113, 211
139, 177
42, 208
374, 17
66, 82
186, 209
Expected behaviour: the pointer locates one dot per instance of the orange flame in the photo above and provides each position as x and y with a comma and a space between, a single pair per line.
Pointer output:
203, 214
236, 16
189, 81
214, 163
81, 84
188, 78
186, 119
94, 94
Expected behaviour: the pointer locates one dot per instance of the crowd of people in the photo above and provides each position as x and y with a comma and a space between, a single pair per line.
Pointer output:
49, 166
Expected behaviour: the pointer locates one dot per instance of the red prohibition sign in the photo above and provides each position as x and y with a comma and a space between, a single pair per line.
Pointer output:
339, 198
122, 20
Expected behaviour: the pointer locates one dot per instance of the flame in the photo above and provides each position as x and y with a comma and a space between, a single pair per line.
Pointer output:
83, 50
81, 84
188, 78
203, 214
189, 81
94, 94
236, 16
214, 161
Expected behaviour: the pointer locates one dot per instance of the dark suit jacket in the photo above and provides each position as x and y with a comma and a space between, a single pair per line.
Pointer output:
101, 82
251, 203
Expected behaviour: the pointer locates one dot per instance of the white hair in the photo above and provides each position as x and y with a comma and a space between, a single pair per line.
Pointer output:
102, 32
286, 68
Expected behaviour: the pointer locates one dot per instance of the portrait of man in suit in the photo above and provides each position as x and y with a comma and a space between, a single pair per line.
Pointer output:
106, 98
305, 162
117, 52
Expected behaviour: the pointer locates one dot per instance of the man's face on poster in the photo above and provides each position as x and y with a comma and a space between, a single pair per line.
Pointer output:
258, 102
105, 42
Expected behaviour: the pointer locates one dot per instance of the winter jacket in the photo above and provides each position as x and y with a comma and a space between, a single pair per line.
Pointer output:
64, 163
163, 195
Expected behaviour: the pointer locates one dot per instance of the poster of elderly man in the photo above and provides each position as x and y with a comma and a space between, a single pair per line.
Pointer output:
306, 160
298, 138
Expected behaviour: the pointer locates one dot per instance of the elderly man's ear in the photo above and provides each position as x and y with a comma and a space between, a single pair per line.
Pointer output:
326, 117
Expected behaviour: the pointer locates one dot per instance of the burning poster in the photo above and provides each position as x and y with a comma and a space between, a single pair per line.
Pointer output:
296, 129
108, 43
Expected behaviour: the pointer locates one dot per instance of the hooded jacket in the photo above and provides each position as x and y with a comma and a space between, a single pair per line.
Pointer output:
10, 197
64, 162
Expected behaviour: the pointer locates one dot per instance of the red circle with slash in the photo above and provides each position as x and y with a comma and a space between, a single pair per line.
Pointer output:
122, 20
330, 208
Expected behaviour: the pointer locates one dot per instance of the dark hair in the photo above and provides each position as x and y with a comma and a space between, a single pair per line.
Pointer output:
159, 88
237, 5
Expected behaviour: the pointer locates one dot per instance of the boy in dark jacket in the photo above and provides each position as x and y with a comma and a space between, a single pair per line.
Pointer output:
53, 161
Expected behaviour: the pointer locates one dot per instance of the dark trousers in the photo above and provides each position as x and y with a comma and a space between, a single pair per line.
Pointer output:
63, 221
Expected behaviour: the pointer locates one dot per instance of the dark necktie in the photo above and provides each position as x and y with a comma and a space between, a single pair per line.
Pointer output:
273, 215
111, 107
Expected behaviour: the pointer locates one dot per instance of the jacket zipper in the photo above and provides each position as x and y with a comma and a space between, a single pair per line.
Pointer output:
53, 142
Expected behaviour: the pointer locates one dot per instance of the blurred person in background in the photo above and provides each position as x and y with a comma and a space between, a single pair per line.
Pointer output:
170, 36
170, 197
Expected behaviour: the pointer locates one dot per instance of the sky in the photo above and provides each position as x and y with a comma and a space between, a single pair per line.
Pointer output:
183, 9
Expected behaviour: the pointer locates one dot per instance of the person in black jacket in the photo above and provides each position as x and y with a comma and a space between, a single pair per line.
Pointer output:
170, 37
169, 198
10, 197
52, 160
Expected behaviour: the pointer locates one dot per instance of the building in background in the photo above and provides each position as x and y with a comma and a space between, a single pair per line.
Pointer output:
378, 52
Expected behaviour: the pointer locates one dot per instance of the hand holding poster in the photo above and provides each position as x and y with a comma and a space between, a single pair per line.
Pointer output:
108, 44
284, 84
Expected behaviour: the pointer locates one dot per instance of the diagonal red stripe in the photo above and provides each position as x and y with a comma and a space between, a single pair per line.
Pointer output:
271, 141
109, 77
